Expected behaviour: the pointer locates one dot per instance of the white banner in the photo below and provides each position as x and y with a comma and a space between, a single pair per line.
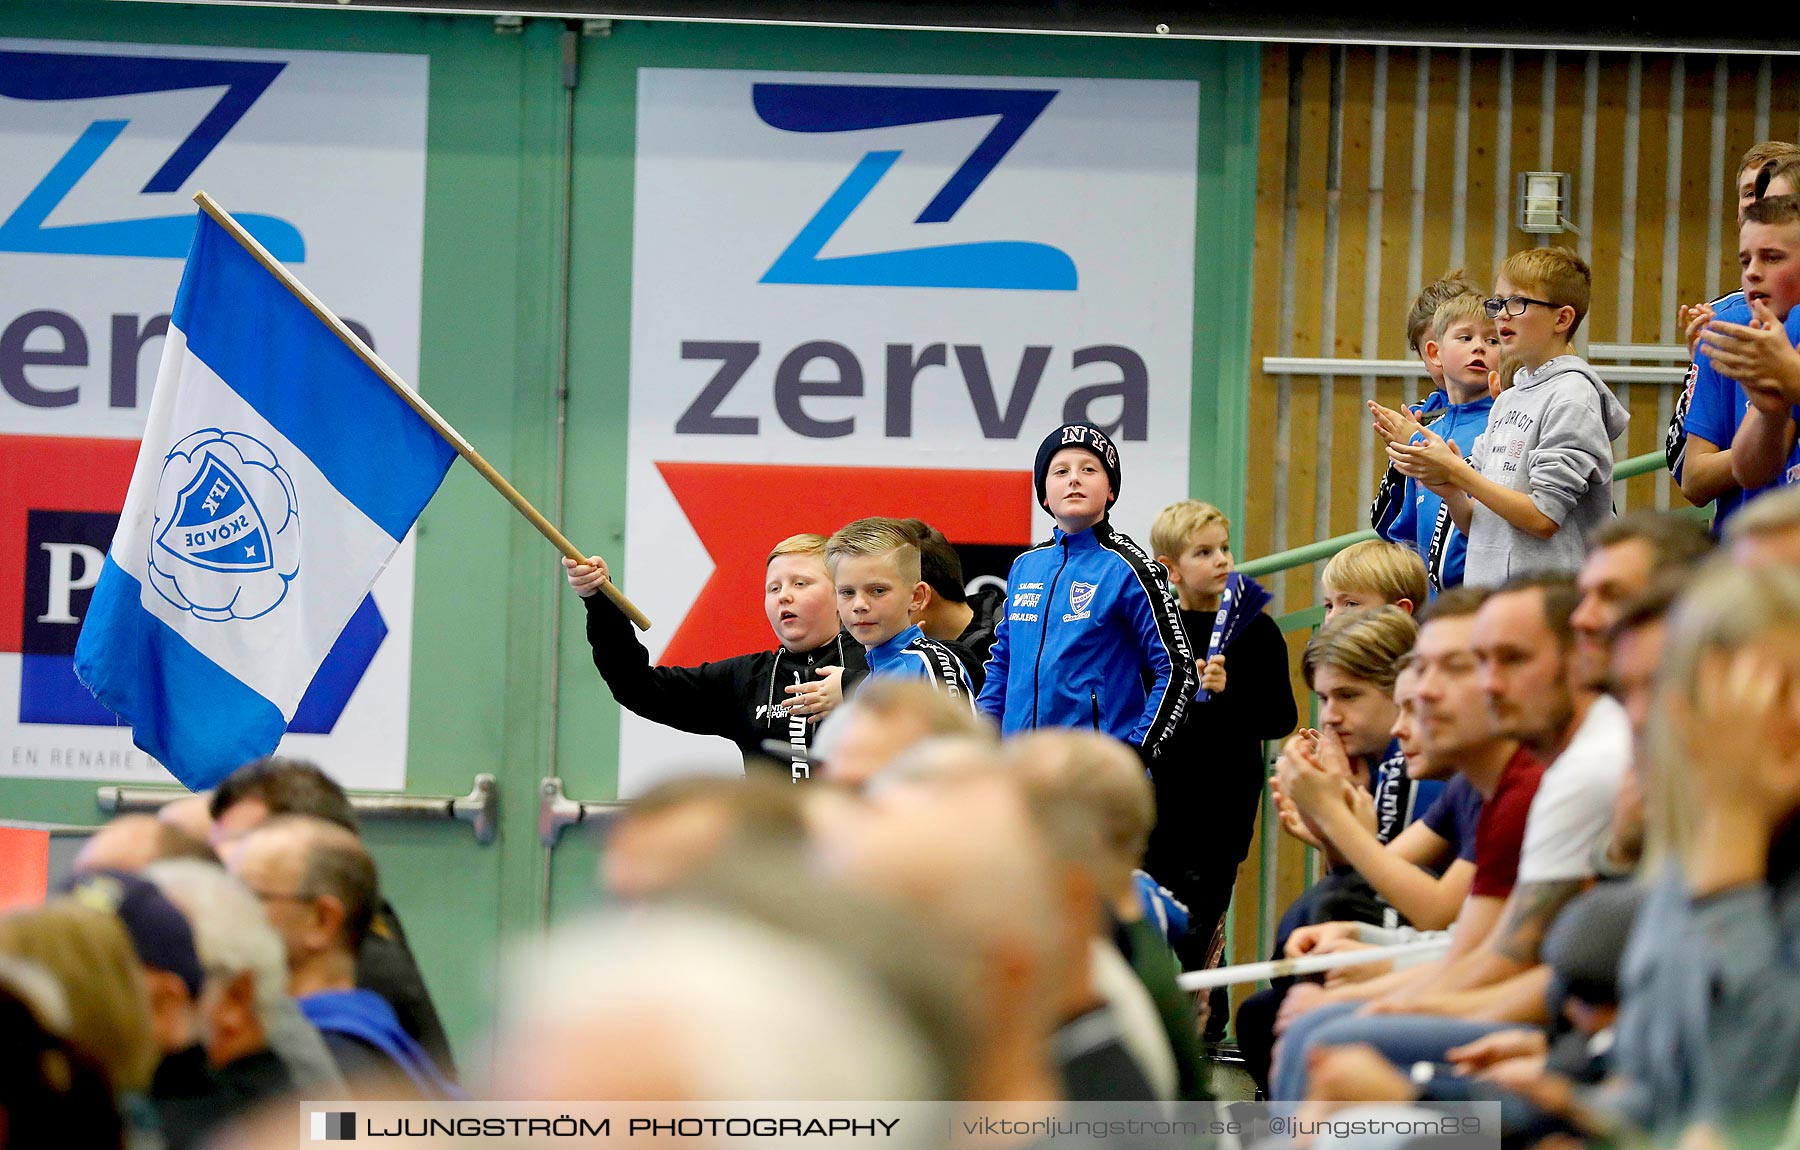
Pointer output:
875, 294
322, 156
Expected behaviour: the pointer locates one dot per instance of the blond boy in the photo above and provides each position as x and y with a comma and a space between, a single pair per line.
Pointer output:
1206, 817
1743, 398
1419, 319
1374, 573
750, 699
1712, 404
875, 568
1538, 483
1464, 350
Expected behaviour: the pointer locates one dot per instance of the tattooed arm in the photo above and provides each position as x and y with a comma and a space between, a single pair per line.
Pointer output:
1512, 947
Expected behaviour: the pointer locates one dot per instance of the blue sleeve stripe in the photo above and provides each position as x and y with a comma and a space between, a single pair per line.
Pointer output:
171, 694
269, 348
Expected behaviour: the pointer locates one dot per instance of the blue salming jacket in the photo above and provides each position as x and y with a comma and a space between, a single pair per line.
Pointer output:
1091, 638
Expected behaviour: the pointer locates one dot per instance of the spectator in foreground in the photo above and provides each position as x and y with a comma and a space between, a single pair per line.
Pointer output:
88, 954
385, 963
1711, 1028
132, 842
687, 1004
1767, 533
1091, 802
678, 829
256, 1038
51, 1093
319, 887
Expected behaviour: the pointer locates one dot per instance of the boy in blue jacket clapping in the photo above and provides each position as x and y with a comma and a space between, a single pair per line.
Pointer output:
1090, 636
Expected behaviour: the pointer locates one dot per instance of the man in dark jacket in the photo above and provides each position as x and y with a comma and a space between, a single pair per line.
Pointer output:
951, 614
252, 794
774, 695
319, 887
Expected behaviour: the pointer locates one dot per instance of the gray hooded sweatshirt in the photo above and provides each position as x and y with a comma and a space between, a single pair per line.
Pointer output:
1550, 435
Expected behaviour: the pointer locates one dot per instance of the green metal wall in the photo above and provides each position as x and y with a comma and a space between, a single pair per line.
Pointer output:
488, 587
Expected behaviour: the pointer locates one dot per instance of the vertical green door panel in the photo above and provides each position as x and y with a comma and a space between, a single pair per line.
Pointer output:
478, 692
605, 123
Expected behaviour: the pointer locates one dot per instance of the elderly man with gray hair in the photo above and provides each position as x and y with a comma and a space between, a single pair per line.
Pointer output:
255, 1036
319, 888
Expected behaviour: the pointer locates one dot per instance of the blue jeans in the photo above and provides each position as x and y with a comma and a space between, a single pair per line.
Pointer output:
1402, 1039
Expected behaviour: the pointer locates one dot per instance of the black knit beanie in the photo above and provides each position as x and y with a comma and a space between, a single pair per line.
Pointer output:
1087, 437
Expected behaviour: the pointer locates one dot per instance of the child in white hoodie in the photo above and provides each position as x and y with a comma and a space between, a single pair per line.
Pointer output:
1538, 483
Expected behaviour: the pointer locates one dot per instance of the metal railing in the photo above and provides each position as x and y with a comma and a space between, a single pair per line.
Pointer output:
1325, 548
477, 808
1354, 371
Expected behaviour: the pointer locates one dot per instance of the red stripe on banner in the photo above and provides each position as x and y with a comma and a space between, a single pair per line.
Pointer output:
24, 867
51, 473
741, 510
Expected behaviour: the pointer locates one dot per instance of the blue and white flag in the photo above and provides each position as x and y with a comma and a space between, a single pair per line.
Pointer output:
277, 475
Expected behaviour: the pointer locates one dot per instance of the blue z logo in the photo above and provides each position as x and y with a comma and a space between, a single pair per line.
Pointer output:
62, 76
1015, 265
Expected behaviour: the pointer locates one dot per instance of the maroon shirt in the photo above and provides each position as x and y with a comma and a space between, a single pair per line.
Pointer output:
1500, 834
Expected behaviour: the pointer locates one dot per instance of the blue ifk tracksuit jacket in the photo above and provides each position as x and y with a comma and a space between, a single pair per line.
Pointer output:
1090, 638
1410, 514
911, 654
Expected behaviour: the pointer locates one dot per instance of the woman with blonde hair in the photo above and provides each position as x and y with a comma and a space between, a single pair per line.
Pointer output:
90, 956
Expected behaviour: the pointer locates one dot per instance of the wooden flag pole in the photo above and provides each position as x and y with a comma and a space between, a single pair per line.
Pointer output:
405, 391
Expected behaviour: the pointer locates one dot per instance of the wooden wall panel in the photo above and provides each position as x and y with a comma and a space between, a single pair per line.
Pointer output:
1440, 146
1304, 464
1527, 137
1256, 536
1293, 199
1646, 316
1347, 418
1566, 144
1696, 193
1740, 133
1651, 266
1396, 227
1604, 228
1784, 120
1484, 149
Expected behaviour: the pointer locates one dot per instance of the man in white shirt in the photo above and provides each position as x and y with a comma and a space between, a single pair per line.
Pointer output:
1543, 693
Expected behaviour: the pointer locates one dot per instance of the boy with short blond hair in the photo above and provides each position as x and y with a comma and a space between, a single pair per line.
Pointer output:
1464, 348
1418, 331
874, 565
1423, 312
1177, 526
1538, 483
767, 696
1374, 573
1205, 818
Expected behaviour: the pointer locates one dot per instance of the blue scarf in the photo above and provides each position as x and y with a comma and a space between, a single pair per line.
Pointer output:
1242, 601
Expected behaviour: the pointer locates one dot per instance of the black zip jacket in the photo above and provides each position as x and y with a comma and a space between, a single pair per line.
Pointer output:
977, 640
739, 698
